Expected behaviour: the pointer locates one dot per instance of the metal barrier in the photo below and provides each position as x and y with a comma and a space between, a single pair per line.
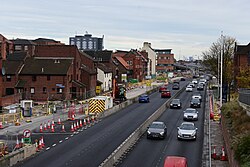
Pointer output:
132, 139
244, 96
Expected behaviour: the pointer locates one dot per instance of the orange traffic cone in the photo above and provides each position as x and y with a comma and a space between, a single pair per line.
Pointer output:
40, 145
53, 122
21, 143
17, 144
88, 120
77, 125
59, 121
42, 142
41, 128
36, 145
72, 128
45, 126
223, 156
52, 129
80, 123
48, 124
73, 117
214, 156
84, 122
63, 129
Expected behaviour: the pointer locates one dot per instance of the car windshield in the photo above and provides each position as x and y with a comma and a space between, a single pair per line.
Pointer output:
176, 101
156, 126
190, 111
144, 95
187, 127
195, 100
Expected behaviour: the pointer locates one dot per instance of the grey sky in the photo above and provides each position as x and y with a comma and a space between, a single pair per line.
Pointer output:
187, 26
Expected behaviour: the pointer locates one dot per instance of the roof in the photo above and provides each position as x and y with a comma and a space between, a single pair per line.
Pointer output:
104, 68
44, 40
119, 53
78, 83
23, 42
100, 56
88, 70
35, 66
17, 56
242, 49
123, 62
175, 161
163, 50
11, 67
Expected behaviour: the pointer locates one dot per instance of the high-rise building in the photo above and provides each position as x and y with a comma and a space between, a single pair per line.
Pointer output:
87, 42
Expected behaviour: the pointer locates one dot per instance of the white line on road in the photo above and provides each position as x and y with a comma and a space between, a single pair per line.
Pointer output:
53, 145
66, 138
60, 141
72, 135
47, 148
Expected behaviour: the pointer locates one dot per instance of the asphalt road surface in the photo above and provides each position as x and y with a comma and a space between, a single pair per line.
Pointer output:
92, 146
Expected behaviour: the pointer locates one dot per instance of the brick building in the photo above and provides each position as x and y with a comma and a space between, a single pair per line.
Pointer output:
165, 60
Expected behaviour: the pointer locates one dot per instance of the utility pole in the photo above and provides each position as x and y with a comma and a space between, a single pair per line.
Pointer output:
221, 68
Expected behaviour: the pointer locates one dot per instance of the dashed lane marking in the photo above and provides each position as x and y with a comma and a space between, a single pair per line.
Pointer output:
60, 141
66, 138
53, 145
47, 148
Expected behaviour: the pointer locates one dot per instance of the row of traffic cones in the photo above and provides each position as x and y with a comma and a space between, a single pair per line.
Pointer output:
39, 144
221, 157
46, 126
19, 144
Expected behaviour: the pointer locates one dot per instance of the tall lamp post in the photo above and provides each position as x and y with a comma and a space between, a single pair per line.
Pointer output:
221, 68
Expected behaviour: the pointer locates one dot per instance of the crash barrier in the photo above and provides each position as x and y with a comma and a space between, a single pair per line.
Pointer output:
121, 150
244, 96
18, 155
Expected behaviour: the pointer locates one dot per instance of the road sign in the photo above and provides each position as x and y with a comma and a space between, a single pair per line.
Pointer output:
26, 133
98, 89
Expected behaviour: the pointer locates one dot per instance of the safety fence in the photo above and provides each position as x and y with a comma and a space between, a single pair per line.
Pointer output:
244, 96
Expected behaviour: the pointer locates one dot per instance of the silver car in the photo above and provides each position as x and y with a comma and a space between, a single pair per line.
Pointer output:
187, 130
190, 114
157, 129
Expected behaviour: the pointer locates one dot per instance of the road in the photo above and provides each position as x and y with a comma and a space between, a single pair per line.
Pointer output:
149, 153
91, 146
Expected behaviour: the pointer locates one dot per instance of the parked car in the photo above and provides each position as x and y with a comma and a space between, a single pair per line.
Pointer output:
197, 95
144, 98
157, 129
175, 161
165, 93
187, 130
176, 87
175, 103
162, 88
195, 102
189, 88
190, 114
200, 86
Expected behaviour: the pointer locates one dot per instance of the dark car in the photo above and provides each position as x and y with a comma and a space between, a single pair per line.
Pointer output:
165, 93
200, 87
176, 87
162, 88
195, 102
175, 103
157, 129
144, 98
183, 79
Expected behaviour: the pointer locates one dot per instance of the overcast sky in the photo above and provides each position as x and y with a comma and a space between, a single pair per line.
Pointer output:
188, 27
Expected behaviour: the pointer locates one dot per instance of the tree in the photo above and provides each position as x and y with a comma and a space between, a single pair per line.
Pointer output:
243, 80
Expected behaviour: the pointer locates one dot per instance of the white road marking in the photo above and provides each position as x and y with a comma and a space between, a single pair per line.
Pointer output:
53, 145
60, 141
47, 148
66, 138
72, 135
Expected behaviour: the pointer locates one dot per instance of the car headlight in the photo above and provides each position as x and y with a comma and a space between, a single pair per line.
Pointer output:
193, 133
179, 133
171, 104
198, 103
162, 133
148, 132
192, 103
195, 116
178, 104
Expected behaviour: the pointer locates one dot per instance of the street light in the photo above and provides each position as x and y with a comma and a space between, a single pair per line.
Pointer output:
221, 67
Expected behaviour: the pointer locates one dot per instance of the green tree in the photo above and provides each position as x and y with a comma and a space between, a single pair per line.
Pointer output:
243, 80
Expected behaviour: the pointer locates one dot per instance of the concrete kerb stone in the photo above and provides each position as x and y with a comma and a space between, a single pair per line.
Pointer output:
112, 159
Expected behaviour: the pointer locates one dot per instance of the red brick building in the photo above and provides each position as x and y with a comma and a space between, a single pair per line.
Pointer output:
164, 60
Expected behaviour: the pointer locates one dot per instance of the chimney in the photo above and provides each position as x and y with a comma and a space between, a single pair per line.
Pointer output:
147, 44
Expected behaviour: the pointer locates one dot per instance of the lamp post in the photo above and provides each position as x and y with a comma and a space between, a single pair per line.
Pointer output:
221, 68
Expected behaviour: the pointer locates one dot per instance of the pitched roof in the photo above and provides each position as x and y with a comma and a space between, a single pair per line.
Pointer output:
100, 56
242, 49
104, 68
44, 40
38, 66
123, 62
11, 67
23, 42
17, 56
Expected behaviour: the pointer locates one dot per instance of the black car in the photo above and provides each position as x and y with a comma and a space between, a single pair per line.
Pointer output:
200, 87
175, 103
176, 87
157, 129
195, 102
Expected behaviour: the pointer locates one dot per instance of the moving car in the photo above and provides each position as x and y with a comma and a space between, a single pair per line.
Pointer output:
190, 114
157, 129
189, 88
175, 161
162, 88
194, 81
175, 103
165, 93
176, 87
187, 130
183, 79
192, 84
200, 86
195, 102
144, 98
197, 95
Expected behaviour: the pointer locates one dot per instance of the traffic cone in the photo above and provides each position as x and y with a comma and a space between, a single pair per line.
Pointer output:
63, 129
36, 145
53, 122
73, 117
52, 129
21, 143
214, 156
59, 121
17, 123
45, 126
80, 123
17, 143
40, 145
1, 125
72, 128
41, 128
77, 125
84, 122
88, 120
223, 156
93, 118
48, 124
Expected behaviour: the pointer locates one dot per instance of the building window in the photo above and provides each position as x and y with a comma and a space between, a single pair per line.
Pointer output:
32, 90
33, 78
8, 78
48, 77
44, 90
59, 90
18, 47
53, 89
25, 48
